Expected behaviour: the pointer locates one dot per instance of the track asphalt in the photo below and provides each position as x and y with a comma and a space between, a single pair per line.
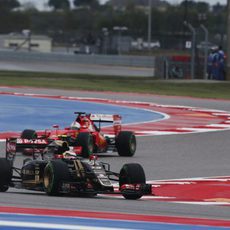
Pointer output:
176, 120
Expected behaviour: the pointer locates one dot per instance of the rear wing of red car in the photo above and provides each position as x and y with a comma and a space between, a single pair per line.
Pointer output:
115, 119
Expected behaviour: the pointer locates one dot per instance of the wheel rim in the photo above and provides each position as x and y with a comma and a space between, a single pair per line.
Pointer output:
132, 144
47, 179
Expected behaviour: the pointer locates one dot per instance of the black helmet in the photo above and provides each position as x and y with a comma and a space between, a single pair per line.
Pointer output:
57, 147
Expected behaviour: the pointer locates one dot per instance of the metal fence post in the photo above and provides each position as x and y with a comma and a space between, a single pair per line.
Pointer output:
191, 28
166, 68
205, 51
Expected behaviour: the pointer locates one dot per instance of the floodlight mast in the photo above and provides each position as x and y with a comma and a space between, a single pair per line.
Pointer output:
205, 51
193, 31
149, 24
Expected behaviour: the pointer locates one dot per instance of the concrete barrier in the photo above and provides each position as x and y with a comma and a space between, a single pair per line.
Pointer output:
116, 60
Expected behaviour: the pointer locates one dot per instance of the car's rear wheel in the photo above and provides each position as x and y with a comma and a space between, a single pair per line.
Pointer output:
28, 134
55, 172
126, 143
132, 173
5, 174
85, 140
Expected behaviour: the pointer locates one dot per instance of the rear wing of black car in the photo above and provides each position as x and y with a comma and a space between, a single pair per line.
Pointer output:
10, 149
25, 146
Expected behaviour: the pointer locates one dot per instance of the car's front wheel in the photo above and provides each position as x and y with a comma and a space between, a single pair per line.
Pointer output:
132, 174
55, 172
29, 134
126, 143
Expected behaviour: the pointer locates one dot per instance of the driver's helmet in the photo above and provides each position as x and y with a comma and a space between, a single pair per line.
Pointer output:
85, 122
75, 125
55, 148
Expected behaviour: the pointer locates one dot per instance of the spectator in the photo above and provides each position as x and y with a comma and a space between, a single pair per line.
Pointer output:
176, 72
221, 57
210, 64
215, 64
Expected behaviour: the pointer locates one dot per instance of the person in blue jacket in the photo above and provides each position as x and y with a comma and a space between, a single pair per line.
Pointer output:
221, 64
218, 68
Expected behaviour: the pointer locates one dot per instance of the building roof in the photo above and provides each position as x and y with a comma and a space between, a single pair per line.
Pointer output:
21, 36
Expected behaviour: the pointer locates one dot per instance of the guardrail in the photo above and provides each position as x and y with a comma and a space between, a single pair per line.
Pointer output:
116, 60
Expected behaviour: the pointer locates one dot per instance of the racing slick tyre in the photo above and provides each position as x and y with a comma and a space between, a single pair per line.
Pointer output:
5, 174
132, 173
55, 172
28, 134
85, 140
126, 143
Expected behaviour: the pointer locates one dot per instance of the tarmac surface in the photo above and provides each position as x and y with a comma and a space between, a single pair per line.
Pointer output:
163, 158
76, 68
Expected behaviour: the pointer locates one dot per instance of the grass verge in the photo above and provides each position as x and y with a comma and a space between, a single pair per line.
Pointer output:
117, 84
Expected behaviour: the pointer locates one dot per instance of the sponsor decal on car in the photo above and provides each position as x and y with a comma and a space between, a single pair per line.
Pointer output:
35, 141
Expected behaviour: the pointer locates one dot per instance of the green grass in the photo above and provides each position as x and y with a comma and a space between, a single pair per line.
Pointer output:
117, 84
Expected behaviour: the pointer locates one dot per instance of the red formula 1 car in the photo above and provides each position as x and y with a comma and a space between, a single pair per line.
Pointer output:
84, 136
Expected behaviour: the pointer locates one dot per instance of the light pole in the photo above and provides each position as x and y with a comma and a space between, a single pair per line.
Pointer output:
119, 29
192, 29
149, 24
205, 50
105, 39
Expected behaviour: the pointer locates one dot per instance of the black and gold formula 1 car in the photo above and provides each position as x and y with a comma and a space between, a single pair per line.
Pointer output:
59, 170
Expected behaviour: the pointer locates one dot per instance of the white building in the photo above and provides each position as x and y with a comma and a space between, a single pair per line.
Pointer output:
39, 43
